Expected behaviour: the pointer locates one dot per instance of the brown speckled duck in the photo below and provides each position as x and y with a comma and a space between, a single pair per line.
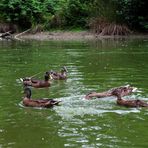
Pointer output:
59, 75
128, 103
125, 90
46, 103
38, 83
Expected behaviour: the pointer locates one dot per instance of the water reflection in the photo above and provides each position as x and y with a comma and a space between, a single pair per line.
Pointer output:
93, 66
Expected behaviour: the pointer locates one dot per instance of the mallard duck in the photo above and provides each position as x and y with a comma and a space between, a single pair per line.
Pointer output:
125, 90
38, 83
59, 75
128, 103
27, 101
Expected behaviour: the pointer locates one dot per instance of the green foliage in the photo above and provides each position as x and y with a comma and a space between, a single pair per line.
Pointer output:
103, 9
133, 13
74, 13
130, 12
26, 12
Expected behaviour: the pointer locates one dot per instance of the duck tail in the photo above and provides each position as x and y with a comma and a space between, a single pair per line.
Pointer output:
64, 68
53, 102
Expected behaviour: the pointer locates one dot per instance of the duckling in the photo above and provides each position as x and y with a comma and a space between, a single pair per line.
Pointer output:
46, 103
125, 90
128, 103
59, 75
38, 83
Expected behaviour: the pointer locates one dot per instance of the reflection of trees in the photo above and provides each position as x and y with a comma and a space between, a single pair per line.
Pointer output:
106, 61
12, 61
16, 52
114, 61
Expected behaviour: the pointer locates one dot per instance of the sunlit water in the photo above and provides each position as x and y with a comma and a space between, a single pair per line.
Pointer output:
92, 66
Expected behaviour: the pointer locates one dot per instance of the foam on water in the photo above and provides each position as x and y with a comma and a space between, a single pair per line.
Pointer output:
74, 106
78, 106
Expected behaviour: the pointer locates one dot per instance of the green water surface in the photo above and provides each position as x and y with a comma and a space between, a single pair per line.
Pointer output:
92, 66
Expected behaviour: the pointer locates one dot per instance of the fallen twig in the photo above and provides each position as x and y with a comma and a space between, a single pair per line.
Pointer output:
3, 35
17, 36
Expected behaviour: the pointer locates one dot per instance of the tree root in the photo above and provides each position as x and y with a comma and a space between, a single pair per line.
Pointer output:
102, 27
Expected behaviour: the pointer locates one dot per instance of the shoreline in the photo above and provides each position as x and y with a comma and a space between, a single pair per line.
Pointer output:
70, 35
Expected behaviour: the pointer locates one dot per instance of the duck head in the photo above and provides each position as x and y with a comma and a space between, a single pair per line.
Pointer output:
50, 72
26, 79
123, 90
27, 92
46, 76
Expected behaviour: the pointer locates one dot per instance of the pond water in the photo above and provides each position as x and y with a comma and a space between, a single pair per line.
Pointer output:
92, 66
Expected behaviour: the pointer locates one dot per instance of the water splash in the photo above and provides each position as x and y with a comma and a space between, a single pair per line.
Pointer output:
74, 106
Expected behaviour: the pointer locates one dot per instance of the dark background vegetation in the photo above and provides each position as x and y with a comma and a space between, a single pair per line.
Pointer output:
68, 14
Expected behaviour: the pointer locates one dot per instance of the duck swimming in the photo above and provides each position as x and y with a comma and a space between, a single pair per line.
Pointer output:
38, 83
124, 90
46, 103
128, 103
59, 75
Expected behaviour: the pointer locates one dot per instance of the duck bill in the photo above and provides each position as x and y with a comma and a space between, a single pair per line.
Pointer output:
135, 89
132, 89
51, 77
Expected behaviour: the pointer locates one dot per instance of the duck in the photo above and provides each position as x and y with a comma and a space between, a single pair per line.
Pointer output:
128, 103
45, 103
38, 83
125, 90
62, 75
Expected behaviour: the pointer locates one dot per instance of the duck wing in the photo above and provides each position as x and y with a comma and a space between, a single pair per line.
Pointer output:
48, 101
43, 100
